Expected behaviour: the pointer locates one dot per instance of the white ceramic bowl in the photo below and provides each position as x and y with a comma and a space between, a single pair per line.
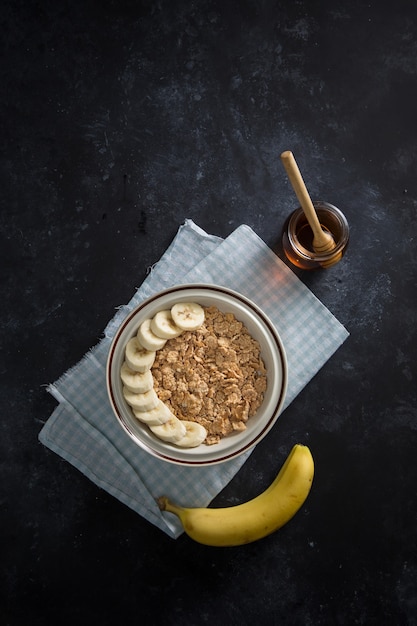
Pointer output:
272, 352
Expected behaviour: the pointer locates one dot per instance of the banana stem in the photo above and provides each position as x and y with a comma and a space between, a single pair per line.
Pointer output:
165, 505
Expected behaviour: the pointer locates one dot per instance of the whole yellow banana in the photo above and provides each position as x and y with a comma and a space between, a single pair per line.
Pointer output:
257, 518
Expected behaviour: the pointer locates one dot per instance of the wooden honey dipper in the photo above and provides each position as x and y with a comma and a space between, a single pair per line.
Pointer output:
323, 242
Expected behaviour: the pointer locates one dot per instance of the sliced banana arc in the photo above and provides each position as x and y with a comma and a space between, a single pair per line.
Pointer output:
188, 315
162, 325
147, 338
172, 431
136, 375
141, 401
137, 382
194, 435
156, 416
138, 358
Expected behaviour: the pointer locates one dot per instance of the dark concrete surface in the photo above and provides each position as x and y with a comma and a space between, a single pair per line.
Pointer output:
119, 121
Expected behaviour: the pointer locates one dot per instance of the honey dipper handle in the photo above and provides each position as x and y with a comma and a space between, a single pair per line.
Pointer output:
301, 192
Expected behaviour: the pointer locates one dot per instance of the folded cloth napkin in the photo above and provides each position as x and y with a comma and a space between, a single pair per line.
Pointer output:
83, 430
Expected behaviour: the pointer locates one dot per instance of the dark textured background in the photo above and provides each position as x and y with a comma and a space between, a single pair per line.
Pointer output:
121, 119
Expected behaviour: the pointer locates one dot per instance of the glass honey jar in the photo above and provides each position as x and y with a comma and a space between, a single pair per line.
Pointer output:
297, 237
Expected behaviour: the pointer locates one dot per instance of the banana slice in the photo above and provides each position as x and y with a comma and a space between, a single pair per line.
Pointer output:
137, 382
148, 339
162, 325
156, 416
172, 431
195, 434
187, 315
138, 358
141, 401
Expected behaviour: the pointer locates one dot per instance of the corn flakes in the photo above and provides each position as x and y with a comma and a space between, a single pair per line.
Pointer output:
214, 375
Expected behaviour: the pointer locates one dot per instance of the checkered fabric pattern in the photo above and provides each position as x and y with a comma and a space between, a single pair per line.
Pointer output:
83, 429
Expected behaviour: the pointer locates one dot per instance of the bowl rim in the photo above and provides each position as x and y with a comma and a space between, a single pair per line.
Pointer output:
278, 345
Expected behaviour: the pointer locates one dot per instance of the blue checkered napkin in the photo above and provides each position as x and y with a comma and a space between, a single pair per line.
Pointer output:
83, 430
